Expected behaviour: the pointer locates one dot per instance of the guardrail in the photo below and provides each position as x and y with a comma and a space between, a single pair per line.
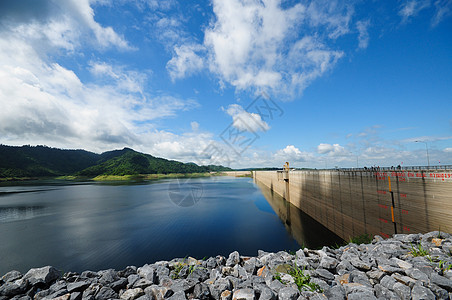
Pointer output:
411, 168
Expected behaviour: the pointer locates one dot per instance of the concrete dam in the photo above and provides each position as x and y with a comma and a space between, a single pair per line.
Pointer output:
353, 202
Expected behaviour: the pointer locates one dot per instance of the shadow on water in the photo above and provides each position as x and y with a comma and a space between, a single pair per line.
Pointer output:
304, 229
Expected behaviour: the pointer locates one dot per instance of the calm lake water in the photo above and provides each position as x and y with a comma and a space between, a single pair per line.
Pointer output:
94, 226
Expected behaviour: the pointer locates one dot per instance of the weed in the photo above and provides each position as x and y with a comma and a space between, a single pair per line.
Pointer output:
418, 250
361, 239
303, 281
443, 265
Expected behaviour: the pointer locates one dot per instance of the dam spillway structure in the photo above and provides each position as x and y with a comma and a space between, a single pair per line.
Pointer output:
352, 202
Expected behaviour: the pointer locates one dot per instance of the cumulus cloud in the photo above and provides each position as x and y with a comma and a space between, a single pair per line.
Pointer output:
185, 62
291, 154
245, 121
44, 102
63, 23
262, 46
332, 150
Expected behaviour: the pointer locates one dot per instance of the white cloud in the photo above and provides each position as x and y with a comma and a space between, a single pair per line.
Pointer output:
443, 11
262, 46
332, 150
412, 8
44, 102
363, 38
291, 154
245, 121
185, 61
449, 150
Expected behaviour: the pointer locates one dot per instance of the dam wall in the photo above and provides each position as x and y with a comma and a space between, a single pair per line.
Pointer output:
351, 203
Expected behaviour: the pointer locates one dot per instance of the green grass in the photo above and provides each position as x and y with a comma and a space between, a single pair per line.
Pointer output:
419, 251
361, 239
302, 280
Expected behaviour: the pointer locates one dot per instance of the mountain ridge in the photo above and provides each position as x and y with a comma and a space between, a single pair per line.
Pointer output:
44, 161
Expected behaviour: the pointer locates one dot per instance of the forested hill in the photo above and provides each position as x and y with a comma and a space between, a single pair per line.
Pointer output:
39, 161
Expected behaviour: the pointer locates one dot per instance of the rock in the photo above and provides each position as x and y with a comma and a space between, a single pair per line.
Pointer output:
147, 272
265, 293
251, 266
361, 296
106, 293
132, 294
43, 276
286, 279
288, 293
233, 259
10, 289
91, 291
88, 274
439, 292
199, 274
201, 291
107, 276
275, 285
404, 279
142, 283
62, 297
335, 293
403, 291
375, 274
129, 270
383, 293
11, 276
262, 272
76, 296
442, 282
324, 274
183, 285
417, 274
132, 279
388, 282
419, 292
328, 263
226, 295
119, 284
244, 294
180, 295
357, 263
219, 286
78, 286
158, 292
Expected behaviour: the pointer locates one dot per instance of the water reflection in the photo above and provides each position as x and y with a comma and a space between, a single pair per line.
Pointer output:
9, 214
304, 229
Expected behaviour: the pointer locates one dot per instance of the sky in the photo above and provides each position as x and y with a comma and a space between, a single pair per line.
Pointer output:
242, 83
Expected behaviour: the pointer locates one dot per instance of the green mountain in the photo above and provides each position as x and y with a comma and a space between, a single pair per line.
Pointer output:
39, 161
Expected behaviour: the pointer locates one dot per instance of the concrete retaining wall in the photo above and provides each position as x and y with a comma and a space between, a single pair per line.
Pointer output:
351, 203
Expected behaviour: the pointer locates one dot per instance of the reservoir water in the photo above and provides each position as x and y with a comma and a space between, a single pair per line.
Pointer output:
94, 226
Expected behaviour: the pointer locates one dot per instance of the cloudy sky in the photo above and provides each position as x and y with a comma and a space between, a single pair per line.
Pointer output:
244, 83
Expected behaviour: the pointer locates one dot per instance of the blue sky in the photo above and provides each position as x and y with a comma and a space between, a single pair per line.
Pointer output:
347, 82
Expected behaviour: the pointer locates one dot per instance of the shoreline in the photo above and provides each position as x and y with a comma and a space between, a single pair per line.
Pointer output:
112, 177
406, 266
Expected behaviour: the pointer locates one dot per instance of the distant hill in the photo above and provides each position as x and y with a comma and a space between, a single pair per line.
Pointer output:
40, 161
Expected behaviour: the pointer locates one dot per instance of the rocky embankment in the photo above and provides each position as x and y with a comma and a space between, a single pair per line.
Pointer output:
411, 266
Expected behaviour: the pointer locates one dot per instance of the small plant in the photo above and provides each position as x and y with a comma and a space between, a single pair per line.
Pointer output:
443, 265
303, 281
361, 239
418, 250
